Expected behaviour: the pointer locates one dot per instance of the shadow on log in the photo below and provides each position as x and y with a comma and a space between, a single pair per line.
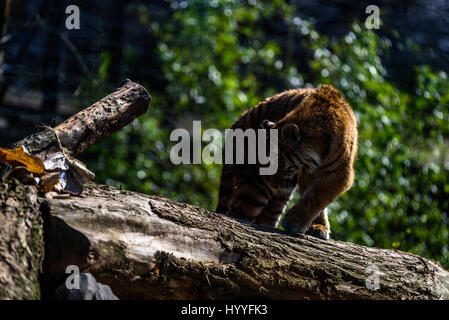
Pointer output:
148, 247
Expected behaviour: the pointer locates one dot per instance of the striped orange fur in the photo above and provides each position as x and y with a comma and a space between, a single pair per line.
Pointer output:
317, 146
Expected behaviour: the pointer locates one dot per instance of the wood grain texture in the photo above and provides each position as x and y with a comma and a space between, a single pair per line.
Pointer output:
148, 247
21, 242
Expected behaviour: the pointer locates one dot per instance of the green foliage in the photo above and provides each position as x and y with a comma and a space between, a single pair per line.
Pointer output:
217, 61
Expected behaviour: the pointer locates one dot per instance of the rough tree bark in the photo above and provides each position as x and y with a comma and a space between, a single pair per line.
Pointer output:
21, 223
92, 124
148, 247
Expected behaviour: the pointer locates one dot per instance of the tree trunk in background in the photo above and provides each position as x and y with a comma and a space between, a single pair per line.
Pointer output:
148, 247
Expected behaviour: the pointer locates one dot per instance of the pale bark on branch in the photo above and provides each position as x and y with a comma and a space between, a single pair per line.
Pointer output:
92, 124
148, 247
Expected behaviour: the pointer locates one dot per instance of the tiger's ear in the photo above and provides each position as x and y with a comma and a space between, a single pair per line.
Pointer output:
290, 133
267, 124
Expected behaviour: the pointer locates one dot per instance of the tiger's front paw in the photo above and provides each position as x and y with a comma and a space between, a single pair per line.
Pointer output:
318, 231
293, 228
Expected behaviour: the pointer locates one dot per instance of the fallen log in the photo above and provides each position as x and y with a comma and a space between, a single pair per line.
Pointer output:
149, 247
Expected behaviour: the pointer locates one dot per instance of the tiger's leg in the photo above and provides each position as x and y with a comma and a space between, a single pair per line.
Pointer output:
324, 189
248, 200
273, 211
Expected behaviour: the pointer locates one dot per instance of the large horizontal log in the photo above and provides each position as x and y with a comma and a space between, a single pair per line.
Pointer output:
148, 247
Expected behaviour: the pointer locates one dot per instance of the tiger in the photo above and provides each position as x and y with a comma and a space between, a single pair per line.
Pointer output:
317, 147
